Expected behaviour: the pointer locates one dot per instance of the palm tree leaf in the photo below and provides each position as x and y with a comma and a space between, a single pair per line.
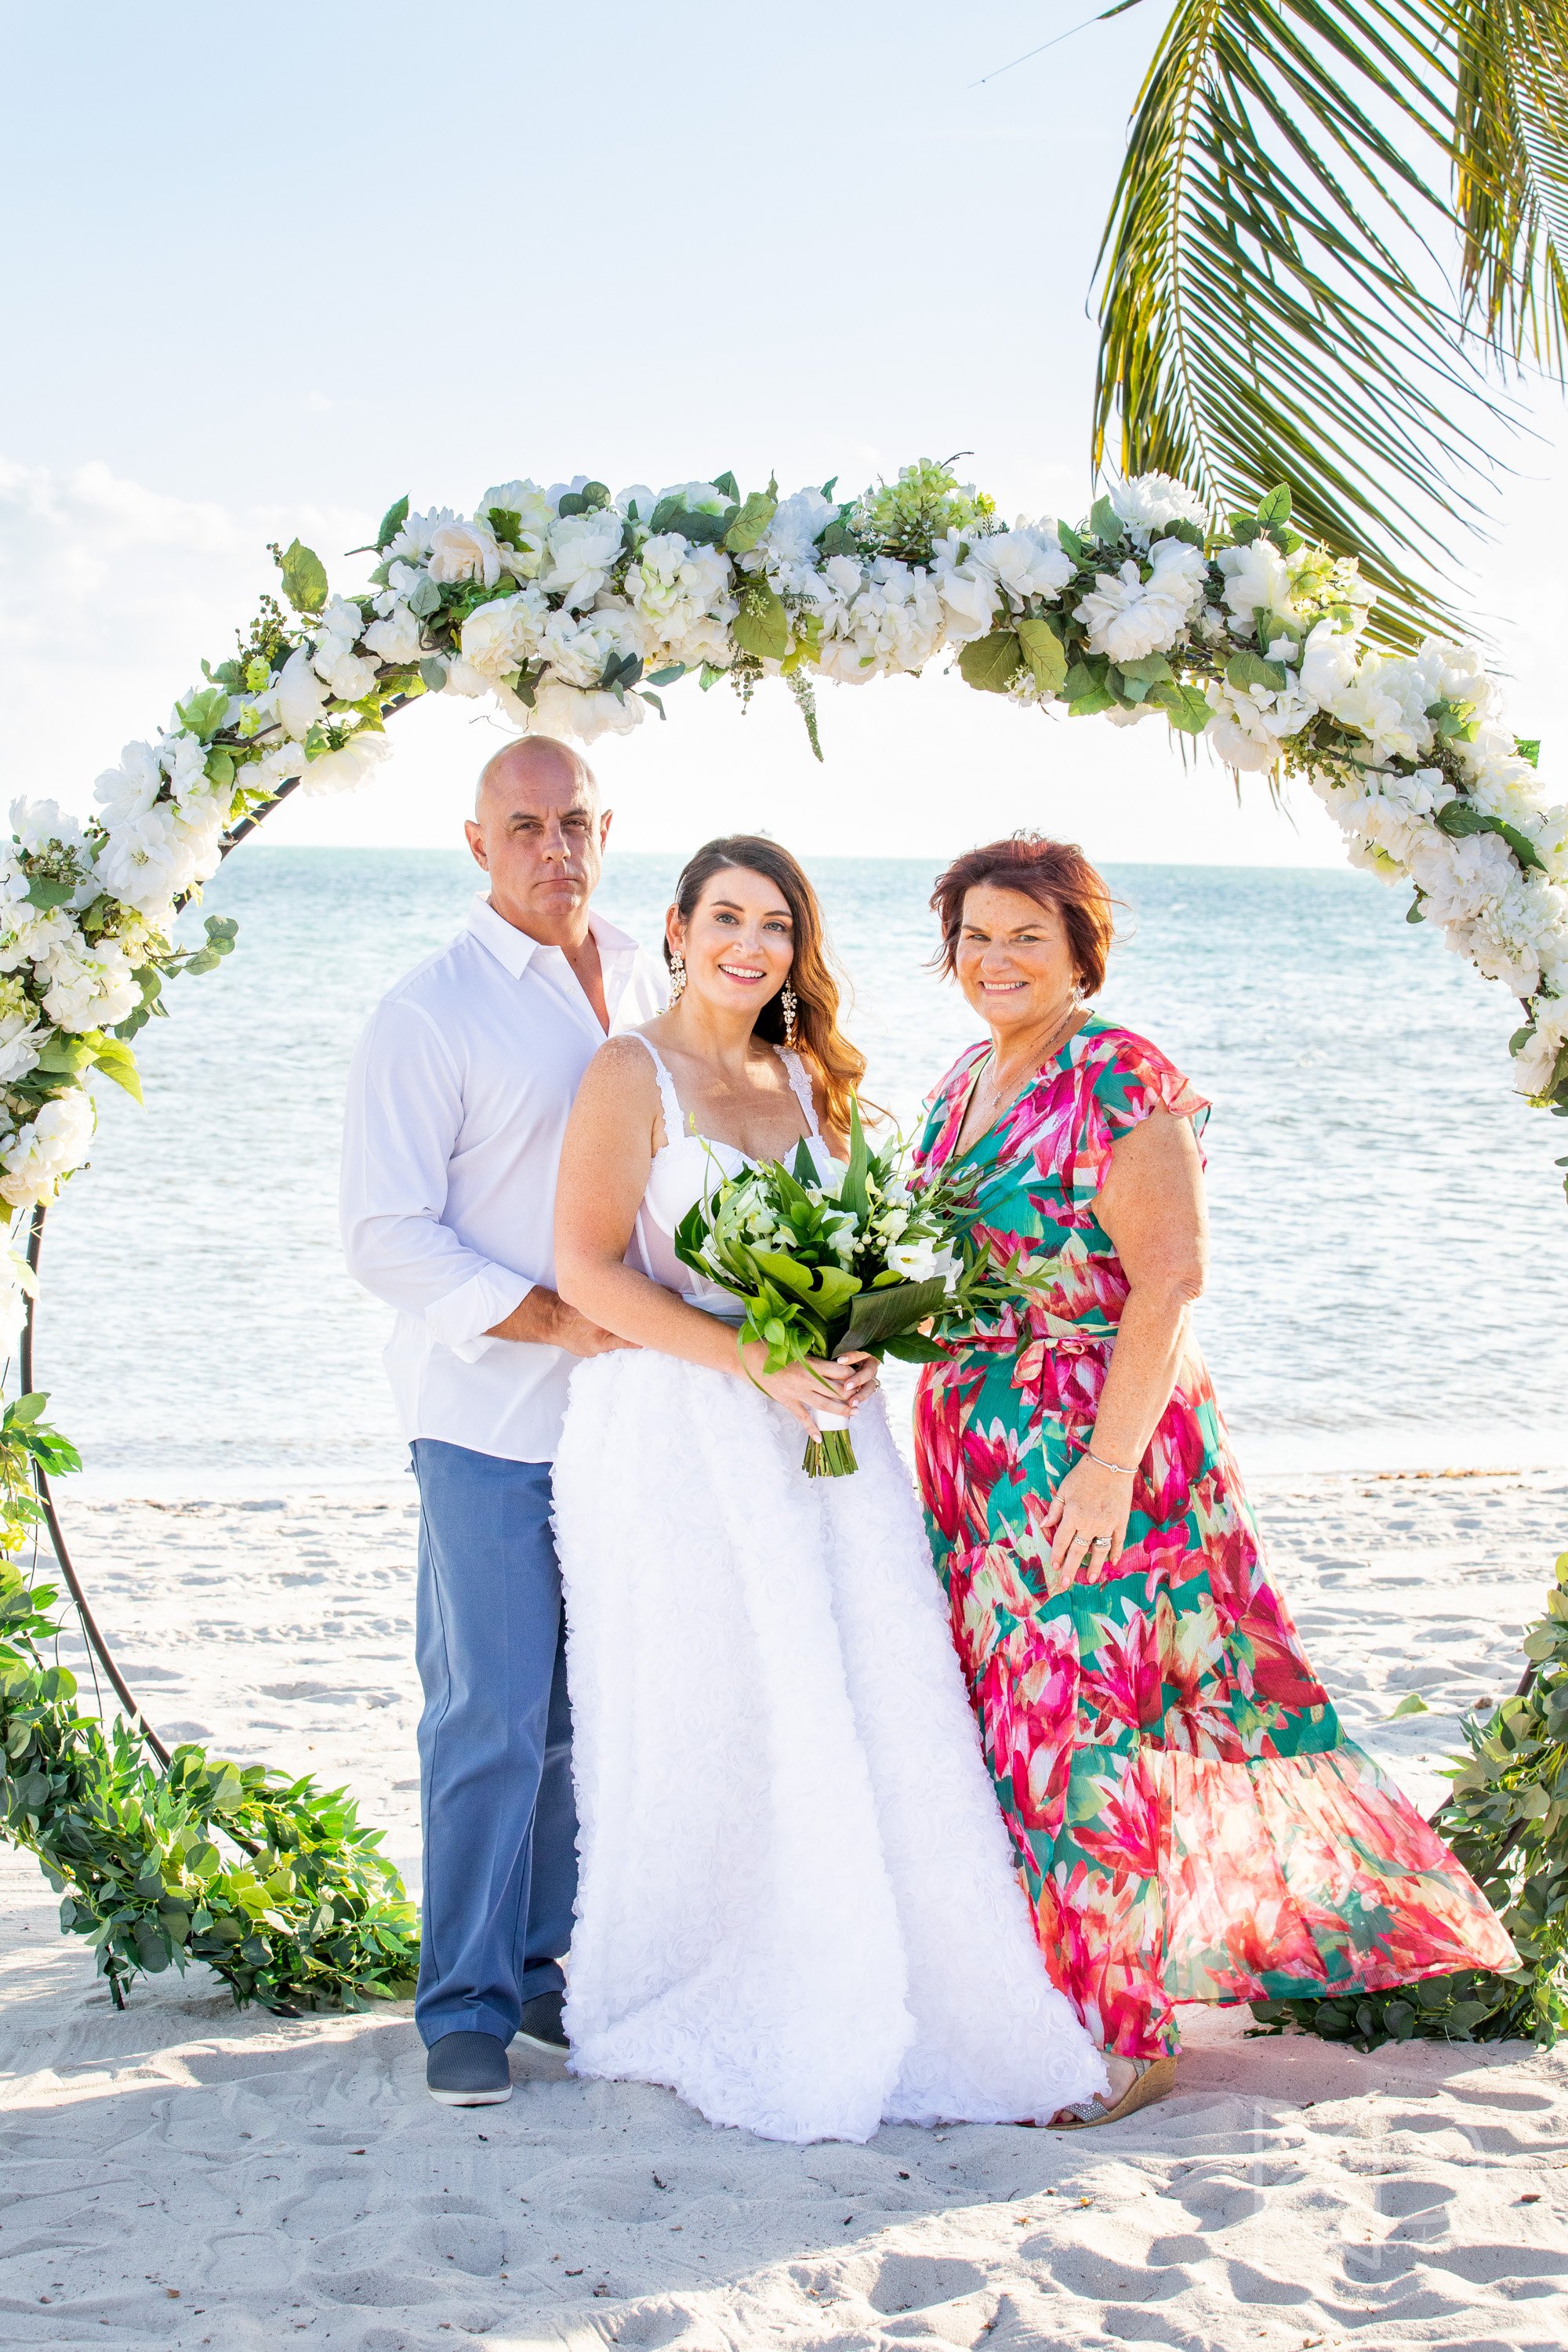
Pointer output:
1273, 305
1511, 133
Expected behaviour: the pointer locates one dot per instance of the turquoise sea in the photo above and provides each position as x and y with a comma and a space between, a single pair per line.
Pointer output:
1390, 1279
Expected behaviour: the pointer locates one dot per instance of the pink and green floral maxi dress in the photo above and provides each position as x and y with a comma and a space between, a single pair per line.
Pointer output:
1189, 1819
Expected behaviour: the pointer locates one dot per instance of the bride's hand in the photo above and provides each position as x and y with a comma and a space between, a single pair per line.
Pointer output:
839, 1384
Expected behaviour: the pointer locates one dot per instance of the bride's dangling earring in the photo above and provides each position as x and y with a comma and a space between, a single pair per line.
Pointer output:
677, 979
789, 1003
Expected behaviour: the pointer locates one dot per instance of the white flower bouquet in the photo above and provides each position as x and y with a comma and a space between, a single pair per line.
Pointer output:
855, 1262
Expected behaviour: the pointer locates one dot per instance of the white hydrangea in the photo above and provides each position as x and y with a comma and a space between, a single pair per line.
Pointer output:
1129, 617
680, 594
1461, 878
347, 674
888, 620
38, 1157
788, 547
1250, 723
579, 650
1517, 934
345, 770
90, 984
31, 934
1536, 1061
38, 825
563, 710
1150, 501
1390, 813
1385, 699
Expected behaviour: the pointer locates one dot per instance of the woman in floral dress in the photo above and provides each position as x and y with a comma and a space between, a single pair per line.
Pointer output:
1189, 1817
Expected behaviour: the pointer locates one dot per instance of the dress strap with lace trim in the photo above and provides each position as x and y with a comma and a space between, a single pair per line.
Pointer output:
800, 1079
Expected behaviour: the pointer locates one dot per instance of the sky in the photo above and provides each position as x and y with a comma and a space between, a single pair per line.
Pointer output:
265, 272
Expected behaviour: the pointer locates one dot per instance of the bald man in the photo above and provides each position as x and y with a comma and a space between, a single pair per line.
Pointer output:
457, 1103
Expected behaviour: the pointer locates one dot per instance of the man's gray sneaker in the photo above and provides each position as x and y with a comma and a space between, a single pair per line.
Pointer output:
467, 2070
541, 2025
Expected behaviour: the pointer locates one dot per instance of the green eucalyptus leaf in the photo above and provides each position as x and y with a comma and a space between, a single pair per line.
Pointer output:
762, 625
751, 522
43, 892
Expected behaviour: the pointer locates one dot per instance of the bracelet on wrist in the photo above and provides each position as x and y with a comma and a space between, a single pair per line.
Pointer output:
1120, 1467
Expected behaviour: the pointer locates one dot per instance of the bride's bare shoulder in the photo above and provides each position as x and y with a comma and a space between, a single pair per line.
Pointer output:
623, 1068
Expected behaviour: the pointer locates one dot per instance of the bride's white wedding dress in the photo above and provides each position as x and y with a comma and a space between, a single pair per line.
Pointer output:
798, 1906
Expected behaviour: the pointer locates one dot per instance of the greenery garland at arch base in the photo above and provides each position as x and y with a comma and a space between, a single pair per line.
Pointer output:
575, 612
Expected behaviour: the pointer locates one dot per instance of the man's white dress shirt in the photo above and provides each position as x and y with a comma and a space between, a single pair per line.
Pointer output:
456, 1109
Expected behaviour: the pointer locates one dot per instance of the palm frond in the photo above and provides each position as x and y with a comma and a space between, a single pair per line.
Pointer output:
1273, 305
1511, 136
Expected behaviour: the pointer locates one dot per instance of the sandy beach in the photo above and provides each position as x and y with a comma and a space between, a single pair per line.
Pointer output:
185, 2175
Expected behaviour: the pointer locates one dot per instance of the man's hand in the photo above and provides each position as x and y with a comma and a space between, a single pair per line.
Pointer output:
544, 1317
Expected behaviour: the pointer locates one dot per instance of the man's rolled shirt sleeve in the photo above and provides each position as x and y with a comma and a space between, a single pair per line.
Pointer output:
404, 1116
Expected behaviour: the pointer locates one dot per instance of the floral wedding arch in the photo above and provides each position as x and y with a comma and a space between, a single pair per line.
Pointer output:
577, 612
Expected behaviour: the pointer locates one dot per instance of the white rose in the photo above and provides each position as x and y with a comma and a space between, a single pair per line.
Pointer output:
395, 636
38, 1157
464, 550
413, 543
1255, 577
1028, 562
42, 825
300, 695
503, 634
343, 771
1329, 662
21, 1036
579, 651
146, 863
582, 552
1536, 1060
126, 791
1128, 617
535, 513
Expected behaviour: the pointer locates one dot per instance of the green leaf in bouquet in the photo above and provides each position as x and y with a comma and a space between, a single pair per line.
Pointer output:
825, 1290
805, 1170
880, 1316
914, 1348
852, 1192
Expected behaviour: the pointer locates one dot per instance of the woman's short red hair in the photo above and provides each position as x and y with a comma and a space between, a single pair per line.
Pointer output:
1054, 874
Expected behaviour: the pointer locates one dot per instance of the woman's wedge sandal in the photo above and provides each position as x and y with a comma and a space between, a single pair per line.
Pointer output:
1153, 2078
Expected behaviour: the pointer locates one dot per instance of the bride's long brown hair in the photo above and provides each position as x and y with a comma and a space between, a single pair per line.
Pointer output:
826, 1050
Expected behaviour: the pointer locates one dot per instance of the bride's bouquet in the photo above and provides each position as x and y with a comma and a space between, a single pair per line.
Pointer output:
856, 1263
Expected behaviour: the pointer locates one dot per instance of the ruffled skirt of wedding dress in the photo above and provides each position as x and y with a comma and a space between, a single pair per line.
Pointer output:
798, 1906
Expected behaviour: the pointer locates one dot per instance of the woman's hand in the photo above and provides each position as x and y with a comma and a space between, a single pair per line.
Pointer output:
1086, 1521
839, 1384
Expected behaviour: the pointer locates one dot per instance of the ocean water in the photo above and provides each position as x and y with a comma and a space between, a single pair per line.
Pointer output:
1390, 1274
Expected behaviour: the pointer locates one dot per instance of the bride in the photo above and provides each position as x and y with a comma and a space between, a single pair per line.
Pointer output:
796, 1906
